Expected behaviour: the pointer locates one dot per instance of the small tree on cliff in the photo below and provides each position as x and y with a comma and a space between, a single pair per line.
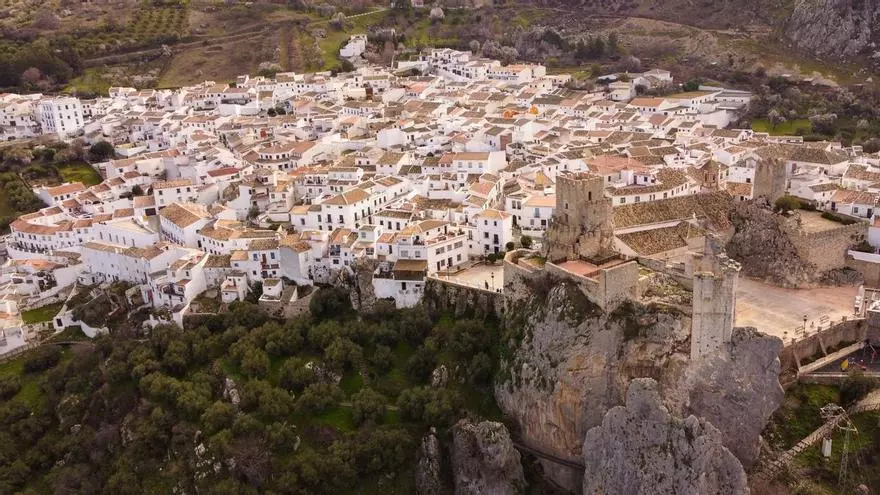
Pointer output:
786, 204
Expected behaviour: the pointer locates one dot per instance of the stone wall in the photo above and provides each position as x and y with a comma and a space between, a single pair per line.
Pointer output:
818, 343
827, 250
869, 270
609, 288
442, 296
777, 249
517, 277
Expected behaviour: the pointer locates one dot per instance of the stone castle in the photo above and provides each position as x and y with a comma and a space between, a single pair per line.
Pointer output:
582, 225
581, 234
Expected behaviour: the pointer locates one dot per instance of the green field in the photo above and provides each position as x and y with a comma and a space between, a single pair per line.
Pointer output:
31, 392
80, 172
39, 315
788, 128
90, 82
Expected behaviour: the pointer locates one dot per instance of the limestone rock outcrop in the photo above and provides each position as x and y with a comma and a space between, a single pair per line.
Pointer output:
641, 448
834, 28
570, 363
763, 248
428, 472
360, 284
780, 250
736, 390
484, 460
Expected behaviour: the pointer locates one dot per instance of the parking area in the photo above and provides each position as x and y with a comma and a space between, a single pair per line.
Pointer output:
780, 312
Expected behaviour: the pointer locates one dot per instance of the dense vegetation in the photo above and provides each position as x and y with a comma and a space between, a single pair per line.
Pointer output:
327, 402
799, 416
50, 163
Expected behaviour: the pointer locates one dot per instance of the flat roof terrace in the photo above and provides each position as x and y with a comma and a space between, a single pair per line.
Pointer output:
812, 221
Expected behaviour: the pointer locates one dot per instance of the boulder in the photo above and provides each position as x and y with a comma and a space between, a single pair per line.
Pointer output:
484, 460
440, 376
641, 448
428, 477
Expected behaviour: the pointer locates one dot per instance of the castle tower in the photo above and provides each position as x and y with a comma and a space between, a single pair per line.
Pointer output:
582, 223
771, 179
714, 304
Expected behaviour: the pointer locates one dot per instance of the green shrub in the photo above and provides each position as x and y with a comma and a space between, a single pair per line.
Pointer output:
834, 217
786, 204
42, 358
855, 387
9, 386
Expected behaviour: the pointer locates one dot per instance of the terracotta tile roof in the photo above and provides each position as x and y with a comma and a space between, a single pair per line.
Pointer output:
649, 242
714, 207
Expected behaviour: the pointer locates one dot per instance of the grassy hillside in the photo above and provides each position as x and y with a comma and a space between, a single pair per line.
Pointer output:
243, 403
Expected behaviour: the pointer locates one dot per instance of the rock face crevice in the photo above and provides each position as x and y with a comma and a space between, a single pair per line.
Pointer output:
642, 448
484, 460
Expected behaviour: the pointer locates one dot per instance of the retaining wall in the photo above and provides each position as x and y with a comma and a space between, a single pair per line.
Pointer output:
850, 331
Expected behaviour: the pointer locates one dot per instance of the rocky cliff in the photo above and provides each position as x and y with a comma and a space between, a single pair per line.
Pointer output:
736, 390
778, 249
359, 283
642, 448
429, 480
568, 363
838, 28
764, 250
484, 460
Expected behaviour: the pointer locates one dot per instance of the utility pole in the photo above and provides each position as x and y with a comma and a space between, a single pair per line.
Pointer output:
833, 412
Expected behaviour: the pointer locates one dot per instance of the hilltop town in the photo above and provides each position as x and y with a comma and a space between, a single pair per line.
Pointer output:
295, 180
457, 181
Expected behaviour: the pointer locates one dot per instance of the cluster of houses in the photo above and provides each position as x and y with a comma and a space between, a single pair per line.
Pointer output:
296, 179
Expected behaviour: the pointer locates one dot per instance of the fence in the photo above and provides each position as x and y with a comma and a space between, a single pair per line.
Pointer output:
17, 351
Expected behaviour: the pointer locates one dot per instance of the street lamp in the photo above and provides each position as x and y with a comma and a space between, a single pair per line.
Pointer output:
493, 281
